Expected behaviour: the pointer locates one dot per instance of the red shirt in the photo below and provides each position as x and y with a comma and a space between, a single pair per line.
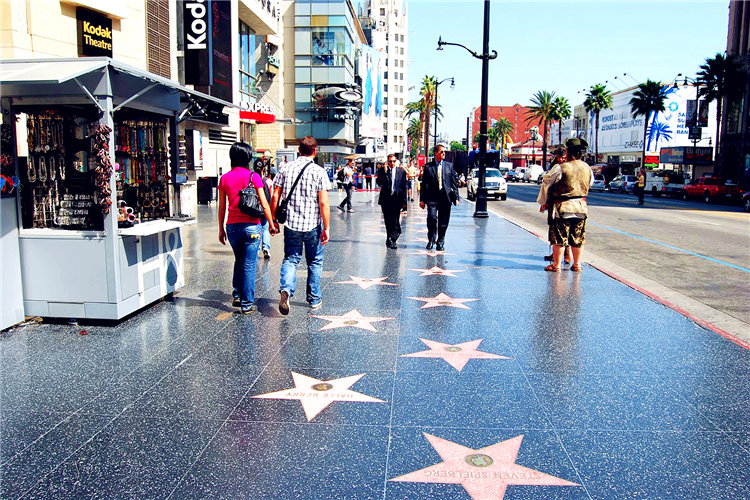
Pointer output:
231, 184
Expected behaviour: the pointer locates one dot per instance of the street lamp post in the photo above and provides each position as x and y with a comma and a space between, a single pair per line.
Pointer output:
696, 130
453, 85
480, 209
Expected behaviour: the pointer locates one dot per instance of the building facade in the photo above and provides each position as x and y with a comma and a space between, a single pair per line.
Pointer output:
735, 133
516, 114
390, 18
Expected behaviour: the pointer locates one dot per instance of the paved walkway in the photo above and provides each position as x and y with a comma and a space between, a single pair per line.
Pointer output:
470, 374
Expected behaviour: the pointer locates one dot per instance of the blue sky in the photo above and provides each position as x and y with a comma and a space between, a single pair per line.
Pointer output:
561, 46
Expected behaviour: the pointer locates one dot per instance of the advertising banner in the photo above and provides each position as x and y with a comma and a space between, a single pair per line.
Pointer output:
371, 68
691, 113
221, 50
336, 102
197, 47
619, 132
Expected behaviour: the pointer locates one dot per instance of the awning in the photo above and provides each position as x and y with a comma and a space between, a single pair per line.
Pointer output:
101, 76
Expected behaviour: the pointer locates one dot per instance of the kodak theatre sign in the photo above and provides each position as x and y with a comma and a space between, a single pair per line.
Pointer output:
94, 33
198, 41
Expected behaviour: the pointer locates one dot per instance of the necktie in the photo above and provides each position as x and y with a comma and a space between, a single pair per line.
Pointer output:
440, 175
393, 180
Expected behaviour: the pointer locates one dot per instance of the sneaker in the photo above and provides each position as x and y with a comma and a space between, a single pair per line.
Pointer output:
249, 309
340, 208
236, 302
284, 303
266, 255
316, 305
350, 211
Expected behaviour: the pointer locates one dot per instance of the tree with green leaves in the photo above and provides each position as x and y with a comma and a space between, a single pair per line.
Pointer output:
504, 128
648, 99
414, 133
457, 146
718, 78
560, 111
542, 104
425, 106
598, 98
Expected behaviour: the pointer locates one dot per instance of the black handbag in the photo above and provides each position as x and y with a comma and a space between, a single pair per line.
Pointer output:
283, 208
249, 203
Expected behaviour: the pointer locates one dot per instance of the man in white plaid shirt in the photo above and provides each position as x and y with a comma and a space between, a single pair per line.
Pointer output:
307, 224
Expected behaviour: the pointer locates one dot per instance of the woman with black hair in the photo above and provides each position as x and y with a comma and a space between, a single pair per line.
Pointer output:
242, 231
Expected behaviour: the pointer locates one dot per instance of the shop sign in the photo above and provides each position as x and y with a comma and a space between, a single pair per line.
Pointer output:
695, 133
261, 113
94, 33
672, 155
628, 159
221, 49
197, 48
651, 161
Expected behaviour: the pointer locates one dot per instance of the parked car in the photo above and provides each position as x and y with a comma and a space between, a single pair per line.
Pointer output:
711, 189
532, 173
493, 181
622, 184
599, 184
512, 176
746, 201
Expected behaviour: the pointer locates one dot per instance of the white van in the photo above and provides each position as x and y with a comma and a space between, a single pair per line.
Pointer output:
533, 172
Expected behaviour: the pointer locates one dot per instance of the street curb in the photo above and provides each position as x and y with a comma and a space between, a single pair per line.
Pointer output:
722, 324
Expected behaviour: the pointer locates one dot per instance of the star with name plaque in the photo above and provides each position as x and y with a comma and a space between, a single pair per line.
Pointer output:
484, 473
443, 300
456, 355
353, 318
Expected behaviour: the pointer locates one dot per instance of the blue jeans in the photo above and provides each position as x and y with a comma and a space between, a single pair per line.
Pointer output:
244, 239
314, 253
265, 235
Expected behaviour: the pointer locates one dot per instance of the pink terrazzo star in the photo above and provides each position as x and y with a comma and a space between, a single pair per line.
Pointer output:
366, 283
437, 271
431, 253
351, 319
422, 240
377, 233
456, 355
315, 395
484, 473
442, 299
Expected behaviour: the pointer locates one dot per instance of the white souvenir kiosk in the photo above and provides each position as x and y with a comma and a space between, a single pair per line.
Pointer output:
76, 260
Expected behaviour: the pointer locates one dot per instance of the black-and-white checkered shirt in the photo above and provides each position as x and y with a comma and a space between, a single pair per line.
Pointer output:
304, 211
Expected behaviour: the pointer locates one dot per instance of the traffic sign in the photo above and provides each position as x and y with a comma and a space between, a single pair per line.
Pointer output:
695, 133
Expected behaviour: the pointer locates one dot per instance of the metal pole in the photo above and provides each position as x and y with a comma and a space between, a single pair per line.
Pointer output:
434, 145
468, 144
480, 210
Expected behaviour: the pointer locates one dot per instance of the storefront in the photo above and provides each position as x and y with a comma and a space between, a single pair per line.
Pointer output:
101, 166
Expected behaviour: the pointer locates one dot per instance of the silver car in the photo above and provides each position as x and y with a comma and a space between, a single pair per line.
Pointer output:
493, 181
599, 184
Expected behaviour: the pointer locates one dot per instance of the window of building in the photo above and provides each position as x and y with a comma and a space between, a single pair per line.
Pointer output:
382, 11
395, 138
385, 88
385, 100
331, 46
385, 75
249, 53
402, 51
385, 114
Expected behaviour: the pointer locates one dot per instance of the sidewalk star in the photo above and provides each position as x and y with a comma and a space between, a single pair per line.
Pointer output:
366, 283
431, 253
484, 473
442, 299
315, 395
437, 271
353, 318
456, 355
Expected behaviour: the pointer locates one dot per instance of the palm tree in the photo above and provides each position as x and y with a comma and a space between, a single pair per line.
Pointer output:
718, 78
492, 136
504, 128
597, 99
429, 85
414, 132
541, 110
560, 111
648, 99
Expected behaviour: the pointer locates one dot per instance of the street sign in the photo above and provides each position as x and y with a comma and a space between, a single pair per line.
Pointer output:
695, 133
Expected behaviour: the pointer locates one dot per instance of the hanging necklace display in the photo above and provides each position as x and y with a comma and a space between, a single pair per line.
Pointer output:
61, 164
31, 170
42, 170
52, 169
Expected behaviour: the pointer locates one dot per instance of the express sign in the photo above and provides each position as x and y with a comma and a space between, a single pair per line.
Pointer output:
261, 113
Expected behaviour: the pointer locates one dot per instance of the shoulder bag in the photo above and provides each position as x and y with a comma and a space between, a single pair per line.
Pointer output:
249, 203
283, 208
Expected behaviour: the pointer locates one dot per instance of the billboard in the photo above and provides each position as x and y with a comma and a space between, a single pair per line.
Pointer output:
336, 102
619, 132
197, 48
371, 68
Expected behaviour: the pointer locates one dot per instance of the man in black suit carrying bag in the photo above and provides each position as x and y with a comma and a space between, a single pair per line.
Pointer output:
439, 191
392, 182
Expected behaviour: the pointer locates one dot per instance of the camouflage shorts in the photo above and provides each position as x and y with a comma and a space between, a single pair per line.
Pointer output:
567, 232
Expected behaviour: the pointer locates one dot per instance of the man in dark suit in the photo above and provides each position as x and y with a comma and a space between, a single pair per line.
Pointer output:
392, 182
439, 191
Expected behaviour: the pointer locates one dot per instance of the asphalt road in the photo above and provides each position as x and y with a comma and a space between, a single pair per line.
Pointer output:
699, 250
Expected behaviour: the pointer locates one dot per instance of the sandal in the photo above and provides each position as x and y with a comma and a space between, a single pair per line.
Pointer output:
552, 268
576, 268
